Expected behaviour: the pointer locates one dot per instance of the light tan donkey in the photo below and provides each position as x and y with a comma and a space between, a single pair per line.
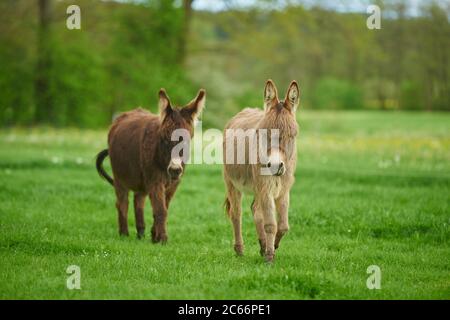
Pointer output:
268, 175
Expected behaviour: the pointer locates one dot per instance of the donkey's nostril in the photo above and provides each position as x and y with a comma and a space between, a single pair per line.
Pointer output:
280, 169
269, 164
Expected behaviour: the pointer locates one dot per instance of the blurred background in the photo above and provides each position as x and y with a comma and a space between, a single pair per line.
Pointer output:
126, 50
373, 174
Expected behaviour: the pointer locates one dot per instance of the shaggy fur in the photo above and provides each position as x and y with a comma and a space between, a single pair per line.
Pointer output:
271, 192
140, 151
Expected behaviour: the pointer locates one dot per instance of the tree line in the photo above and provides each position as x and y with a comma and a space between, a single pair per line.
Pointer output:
339, 62
125, 51
118, 60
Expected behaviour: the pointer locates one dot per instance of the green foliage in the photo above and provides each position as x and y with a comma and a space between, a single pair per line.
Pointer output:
371, 188
335, 94
126, 50
78, 82
16, 64
411, 96
119, 59
338, 61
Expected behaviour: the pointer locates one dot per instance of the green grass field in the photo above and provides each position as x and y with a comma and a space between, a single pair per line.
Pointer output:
371, 188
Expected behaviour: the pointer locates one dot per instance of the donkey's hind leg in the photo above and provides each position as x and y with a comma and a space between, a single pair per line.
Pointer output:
122, 207
259, 222
234, 197
139, 204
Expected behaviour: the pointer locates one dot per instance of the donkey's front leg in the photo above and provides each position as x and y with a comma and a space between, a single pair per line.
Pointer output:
266, 204
259, 222
282, 205
158, 199
170, 191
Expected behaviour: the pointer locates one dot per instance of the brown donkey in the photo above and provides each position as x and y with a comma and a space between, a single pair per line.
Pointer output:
140, 148
270, 188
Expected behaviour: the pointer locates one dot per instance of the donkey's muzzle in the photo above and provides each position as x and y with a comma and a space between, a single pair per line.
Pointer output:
276, 169
275, 165
175, 169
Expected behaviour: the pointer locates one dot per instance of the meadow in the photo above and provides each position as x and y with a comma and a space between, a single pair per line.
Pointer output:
372, 188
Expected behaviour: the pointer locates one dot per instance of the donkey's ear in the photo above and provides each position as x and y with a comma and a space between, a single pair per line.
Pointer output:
292, 96
164, 103
270, 95
195, 107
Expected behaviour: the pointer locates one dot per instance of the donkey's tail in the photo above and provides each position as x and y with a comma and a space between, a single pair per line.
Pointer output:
99, 164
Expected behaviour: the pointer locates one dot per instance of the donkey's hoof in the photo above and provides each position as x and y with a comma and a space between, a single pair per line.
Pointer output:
159, 238
157, 235
164, 239
239, 249
123, 234
268, 258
